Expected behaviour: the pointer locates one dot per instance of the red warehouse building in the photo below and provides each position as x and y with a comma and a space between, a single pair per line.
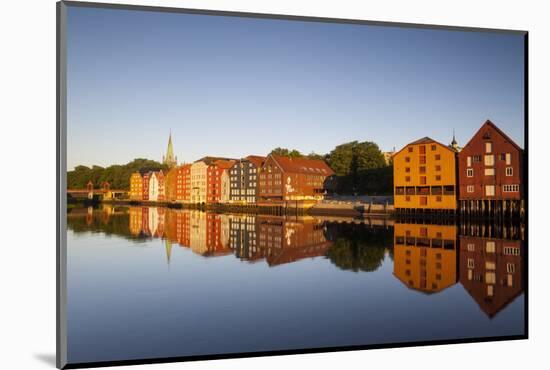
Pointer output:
293, 179
214, 174
490, 171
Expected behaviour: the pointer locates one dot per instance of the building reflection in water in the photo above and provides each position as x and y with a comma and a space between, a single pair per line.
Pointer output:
487, 259
491, 271
425, 256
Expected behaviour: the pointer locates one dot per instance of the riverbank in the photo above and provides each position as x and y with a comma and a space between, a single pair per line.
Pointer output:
344, 209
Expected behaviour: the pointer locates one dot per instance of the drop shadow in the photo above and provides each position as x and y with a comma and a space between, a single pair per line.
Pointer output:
47, 358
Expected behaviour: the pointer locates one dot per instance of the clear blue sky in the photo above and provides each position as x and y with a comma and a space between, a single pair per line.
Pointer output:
232, 87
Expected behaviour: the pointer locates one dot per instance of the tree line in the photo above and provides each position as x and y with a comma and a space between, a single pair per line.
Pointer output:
360, 167
118, 176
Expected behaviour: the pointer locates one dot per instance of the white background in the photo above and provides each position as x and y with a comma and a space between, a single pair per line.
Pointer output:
27, 182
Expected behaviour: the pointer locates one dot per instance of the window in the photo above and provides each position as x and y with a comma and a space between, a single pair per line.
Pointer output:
423, 159
476, 158
422, 149
509, 171
502, 156
470, 188
438, 168
471, 247
489, 172
511, 251
410, 149
490, 277
489, 290
408, 178
407, 169
490, 265
469, 161
423, 180
490, 190
433, 147
423, 201
508, 158
489, 160
510, 188
470, 172
437, 157
407, 159
422, 169
437, 177
438, 198
490, 247
407, 198
488, 147
470, 263
510, 268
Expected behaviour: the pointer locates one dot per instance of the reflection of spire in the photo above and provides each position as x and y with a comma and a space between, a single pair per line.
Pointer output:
168, 245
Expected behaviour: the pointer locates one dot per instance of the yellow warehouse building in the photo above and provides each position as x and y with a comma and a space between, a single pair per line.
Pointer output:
424, 175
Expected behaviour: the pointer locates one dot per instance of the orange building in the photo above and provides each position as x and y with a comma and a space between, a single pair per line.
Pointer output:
424, 176
136, 186
170, 185
425, 256
183, 183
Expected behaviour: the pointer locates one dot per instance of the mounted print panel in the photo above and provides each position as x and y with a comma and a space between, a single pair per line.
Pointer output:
236, 184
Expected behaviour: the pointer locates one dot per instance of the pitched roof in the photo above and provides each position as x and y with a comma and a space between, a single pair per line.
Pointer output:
303, 165
224, 163
209, 160
424, 140
257, 160
498, 130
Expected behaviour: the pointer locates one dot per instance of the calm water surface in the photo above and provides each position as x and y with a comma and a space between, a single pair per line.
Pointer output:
148, 282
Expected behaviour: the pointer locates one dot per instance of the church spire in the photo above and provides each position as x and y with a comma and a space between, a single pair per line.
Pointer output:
169, 159
454, 143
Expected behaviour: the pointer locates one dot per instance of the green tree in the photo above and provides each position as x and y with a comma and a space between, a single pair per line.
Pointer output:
118, 176
286, 152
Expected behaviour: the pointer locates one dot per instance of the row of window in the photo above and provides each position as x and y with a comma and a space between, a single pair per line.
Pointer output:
509, 171
422, 159
423, 179
489, 159
425, 190
490, 189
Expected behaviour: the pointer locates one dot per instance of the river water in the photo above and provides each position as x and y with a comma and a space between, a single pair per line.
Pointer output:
147, 282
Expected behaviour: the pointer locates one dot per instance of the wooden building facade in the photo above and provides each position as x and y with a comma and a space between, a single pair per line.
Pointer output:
490, 172
214, 174
425, 177
243, 178
136, 186
284, 179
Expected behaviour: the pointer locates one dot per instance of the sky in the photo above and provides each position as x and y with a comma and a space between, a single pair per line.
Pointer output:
231, 86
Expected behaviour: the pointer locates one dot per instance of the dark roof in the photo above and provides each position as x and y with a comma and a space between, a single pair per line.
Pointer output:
303, 165
424, 140
224, 163
209, 160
